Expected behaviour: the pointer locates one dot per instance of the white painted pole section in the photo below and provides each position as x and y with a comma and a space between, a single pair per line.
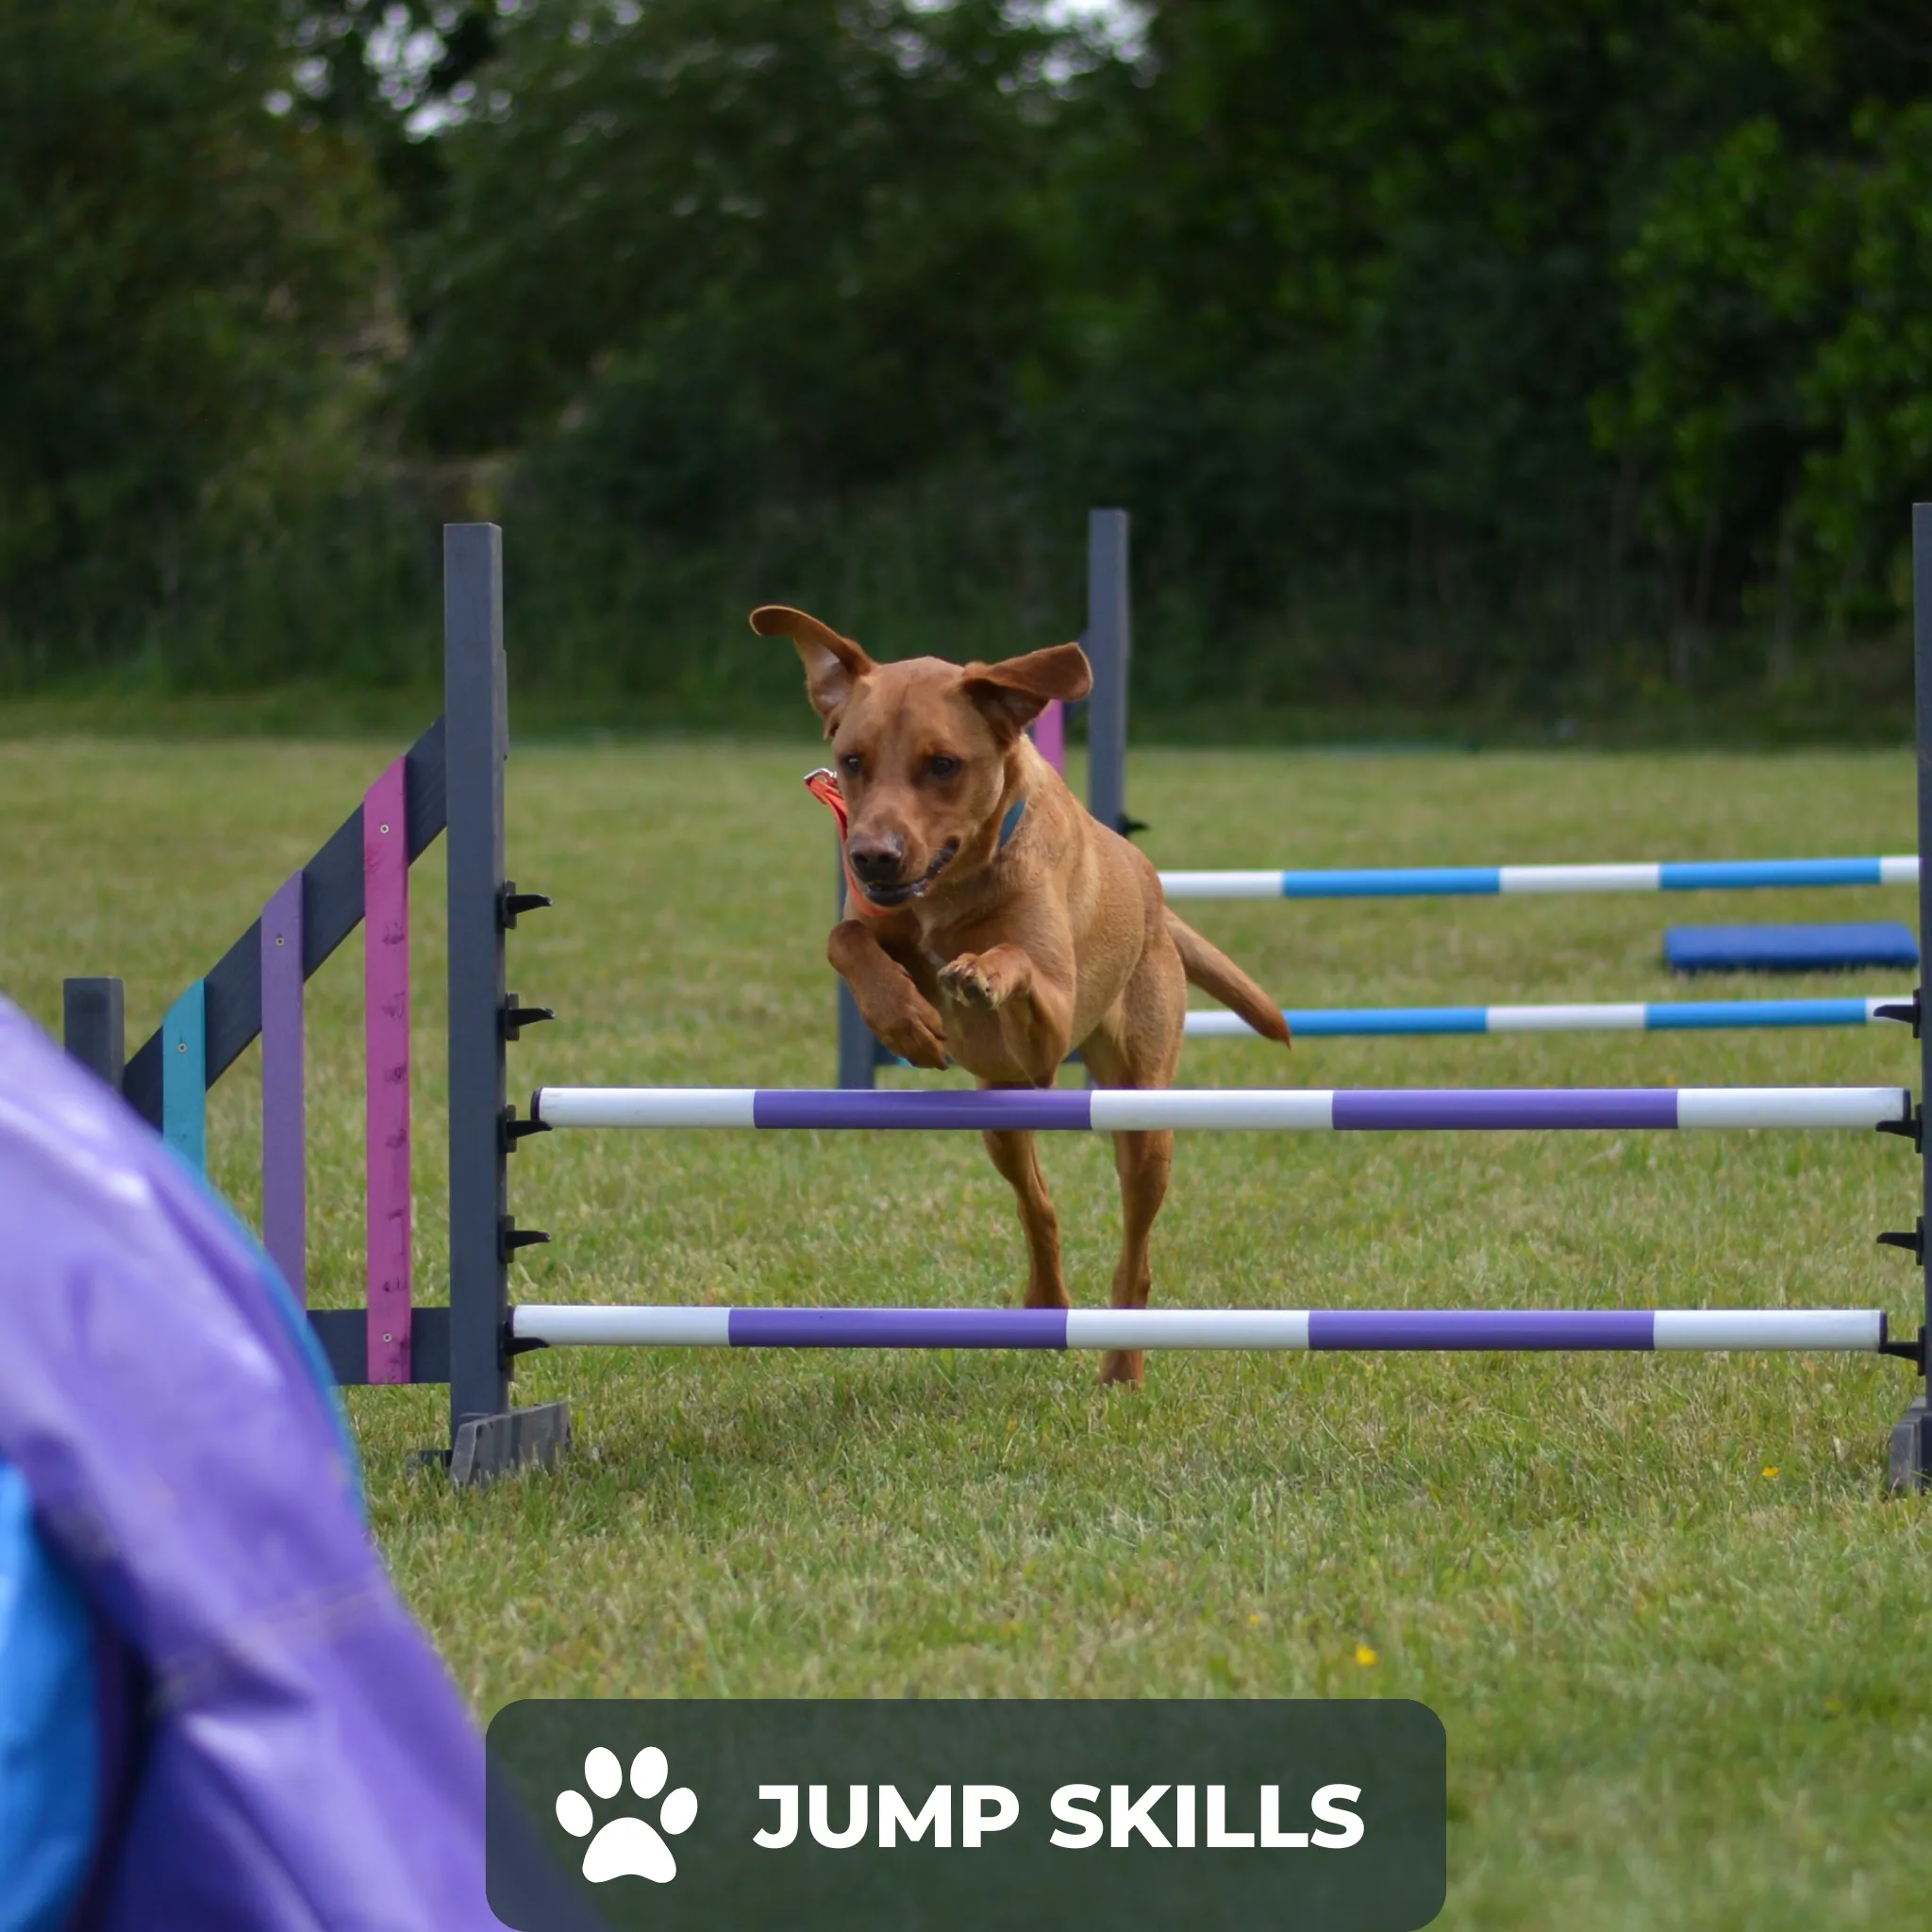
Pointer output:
1117, 1108
1581, 878
1789, 1107
580, 1327
1899, 870
648, 1107
1871, 1005
1769, 1328
1281, 1329
1628, 1017
1222, 885
1218, 1025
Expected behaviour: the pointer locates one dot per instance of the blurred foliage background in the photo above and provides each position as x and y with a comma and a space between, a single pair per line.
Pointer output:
1503, 362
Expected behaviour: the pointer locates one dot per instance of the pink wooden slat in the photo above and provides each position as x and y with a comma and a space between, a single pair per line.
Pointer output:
386, 1020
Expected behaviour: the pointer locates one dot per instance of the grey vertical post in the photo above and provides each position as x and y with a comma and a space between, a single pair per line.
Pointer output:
94, 1026
475, 703
858, 1052
1915, 1450
1108, 645
486, 1437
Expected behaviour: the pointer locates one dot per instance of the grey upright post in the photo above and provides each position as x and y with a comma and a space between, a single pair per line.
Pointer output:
1110, 644
94, 1027
1910, 1461
858, 1052
486, 1436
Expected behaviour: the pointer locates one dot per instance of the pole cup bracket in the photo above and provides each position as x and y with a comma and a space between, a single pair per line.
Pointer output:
1913, 1242
514, 1129
1911, 1011
1911, 1126
516, 1016
511, 903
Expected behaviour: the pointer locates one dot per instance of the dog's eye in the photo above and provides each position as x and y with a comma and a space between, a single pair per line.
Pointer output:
941, 766
852, 763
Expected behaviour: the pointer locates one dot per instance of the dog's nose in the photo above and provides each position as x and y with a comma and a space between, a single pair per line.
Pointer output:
877, 858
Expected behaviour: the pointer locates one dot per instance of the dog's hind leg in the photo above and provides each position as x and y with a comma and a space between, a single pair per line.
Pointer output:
1143, 1164
1140, 1046
1017, 1158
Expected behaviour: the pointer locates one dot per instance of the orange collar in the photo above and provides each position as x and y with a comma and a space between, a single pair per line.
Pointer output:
824, 785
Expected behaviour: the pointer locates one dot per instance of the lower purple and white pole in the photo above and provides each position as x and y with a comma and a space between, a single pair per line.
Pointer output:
1272, 1110
1358, 1331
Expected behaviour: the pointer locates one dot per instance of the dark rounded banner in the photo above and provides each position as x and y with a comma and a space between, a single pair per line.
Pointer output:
953, 1815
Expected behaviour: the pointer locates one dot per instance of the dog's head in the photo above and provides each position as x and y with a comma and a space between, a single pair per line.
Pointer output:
922, 747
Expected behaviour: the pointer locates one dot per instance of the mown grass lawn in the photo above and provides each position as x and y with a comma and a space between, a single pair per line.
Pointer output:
1680, 1644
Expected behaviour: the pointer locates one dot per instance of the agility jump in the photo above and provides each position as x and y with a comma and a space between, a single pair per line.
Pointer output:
452, 779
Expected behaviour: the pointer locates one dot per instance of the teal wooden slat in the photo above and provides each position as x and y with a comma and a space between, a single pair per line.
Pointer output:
184, 1078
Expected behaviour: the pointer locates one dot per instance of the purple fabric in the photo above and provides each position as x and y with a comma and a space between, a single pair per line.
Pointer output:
307, 1761
898, 1328
284, 1114
997, 1108
1481, 1329
386, 1045
1583, 1107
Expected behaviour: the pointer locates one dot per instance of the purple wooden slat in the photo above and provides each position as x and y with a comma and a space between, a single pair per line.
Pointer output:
284, 1095
1582, 1107
1049, 1109
385, 1024
898, 1327
1482, 1328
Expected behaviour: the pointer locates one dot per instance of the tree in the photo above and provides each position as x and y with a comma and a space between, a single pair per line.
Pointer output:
185, 276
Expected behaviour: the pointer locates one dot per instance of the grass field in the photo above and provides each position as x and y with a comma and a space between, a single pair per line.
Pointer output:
1680, 1644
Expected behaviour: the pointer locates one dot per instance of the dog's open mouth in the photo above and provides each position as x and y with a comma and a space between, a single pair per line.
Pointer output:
909, 890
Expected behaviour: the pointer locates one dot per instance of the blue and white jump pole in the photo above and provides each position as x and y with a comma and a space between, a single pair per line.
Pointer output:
1634, 1016
1490, 881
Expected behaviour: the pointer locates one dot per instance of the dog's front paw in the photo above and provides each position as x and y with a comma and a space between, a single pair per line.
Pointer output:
915, 1033
983, 980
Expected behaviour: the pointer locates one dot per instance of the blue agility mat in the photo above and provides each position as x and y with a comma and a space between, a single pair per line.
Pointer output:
1789, 948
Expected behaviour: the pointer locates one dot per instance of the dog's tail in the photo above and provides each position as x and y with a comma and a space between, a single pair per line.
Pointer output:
1214, 972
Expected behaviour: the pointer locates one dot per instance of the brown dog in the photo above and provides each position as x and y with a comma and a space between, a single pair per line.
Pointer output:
991, 919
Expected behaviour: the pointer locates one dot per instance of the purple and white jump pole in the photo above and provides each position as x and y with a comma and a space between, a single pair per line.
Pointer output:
1692, 1331
1102, 1110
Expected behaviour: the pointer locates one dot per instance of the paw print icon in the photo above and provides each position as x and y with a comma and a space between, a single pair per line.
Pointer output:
628, 1847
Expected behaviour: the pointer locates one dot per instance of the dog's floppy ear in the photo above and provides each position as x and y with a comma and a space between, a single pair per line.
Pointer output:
832, 664
1014, 692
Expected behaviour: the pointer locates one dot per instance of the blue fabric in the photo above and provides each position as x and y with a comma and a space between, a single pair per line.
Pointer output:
1789, 948
50, 1752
